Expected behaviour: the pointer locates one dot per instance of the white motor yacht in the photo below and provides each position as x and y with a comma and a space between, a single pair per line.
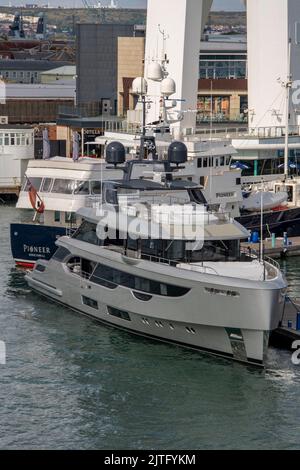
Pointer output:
181, 281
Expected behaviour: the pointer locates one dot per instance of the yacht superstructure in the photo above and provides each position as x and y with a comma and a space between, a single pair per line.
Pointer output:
63, 186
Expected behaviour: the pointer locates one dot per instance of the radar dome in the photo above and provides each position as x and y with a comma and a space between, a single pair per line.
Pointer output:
154, 72
177, 153
168, 87
139, 86
115, 153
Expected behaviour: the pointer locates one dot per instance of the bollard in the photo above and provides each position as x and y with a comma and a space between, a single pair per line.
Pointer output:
298, 321
273, 240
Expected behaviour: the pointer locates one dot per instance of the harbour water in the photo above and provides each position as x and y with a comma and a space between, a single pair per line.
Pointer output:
70, 383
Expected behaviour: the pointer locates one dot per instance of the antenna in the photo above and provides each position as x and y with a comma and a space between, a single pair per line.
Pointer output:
262, 222
164, 58
288, 86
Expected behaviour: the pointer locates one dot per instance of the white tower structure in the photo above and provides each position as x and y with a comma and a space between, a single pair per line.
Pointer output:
174, 33
271, 25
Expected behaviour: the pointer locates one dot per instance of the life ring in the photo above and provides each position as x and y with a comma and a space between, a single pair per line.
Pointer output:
37, 205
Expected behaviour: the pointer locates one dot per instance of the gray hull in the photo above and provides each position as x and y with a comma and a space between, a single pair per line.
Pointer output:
208, 317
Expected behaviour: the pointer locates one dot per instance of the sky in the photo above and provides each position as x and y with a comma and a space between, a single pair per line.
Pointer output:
232, 5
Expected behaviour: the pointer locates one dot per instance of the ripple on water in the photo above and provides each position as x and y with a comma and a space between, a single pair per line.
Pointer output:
72, 383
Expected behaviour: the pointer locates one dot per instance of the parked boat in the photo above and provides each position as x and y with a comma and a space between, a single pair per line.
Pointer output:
53, 190
189, 286
265, 200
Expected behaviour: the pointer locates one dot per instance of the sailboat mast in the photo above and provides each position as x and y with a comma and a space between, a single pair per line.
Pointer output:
287, 111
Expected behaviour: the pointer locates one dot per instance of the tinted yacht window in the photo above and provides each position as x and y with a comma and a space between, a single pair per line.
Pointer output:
82, 187
96, 187
61, 254
112, 278
46, 186
87, 233
35, 182
63, 186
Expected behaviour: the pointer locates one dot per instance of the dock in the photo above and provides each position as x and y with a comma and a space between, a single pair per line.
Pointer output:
279, 251
287, 333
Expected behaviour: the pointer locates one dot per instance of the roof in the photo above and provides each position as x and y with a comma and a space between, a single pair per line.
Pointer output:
40, 91
148, 185
35, 65
223, 47
64, 70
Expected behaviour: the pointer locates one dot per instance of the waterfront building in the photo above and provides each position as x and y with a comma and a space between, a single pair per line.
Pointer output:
96, 62
16, 149
26, 71
35, 103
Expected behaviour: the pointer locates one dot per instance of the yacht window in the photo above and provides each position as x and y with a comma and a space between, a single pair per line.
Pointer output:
110, 196
111, 278
87, 267
61, 254
18, 139
6, 139
96, 187
142, 297
40, 267
82, 187
202, 181
228, 250
70, 217
199, 162
46, 185
205, 162
142, 284
63, 186
89, 302
1, 139
87, 233
118, 313
222, 161
35, 182
74, 265
104, 277
228, 160
56, 216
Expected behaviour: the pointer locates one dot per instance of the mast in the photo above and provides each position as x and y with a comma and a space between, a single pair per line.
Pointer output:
288, 86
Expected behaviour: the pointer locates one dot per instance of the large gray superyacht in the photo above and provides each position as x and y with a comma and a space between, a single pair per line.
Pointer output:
150, 258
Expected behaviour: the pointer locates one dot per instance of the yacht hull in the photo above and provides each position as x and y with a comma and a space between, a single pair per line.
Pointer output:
234, 328
277, 221
30, 242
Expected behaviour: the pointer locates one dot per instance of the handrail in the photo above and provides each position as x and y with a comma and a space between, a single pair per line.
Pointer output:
272, 261
266, 260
